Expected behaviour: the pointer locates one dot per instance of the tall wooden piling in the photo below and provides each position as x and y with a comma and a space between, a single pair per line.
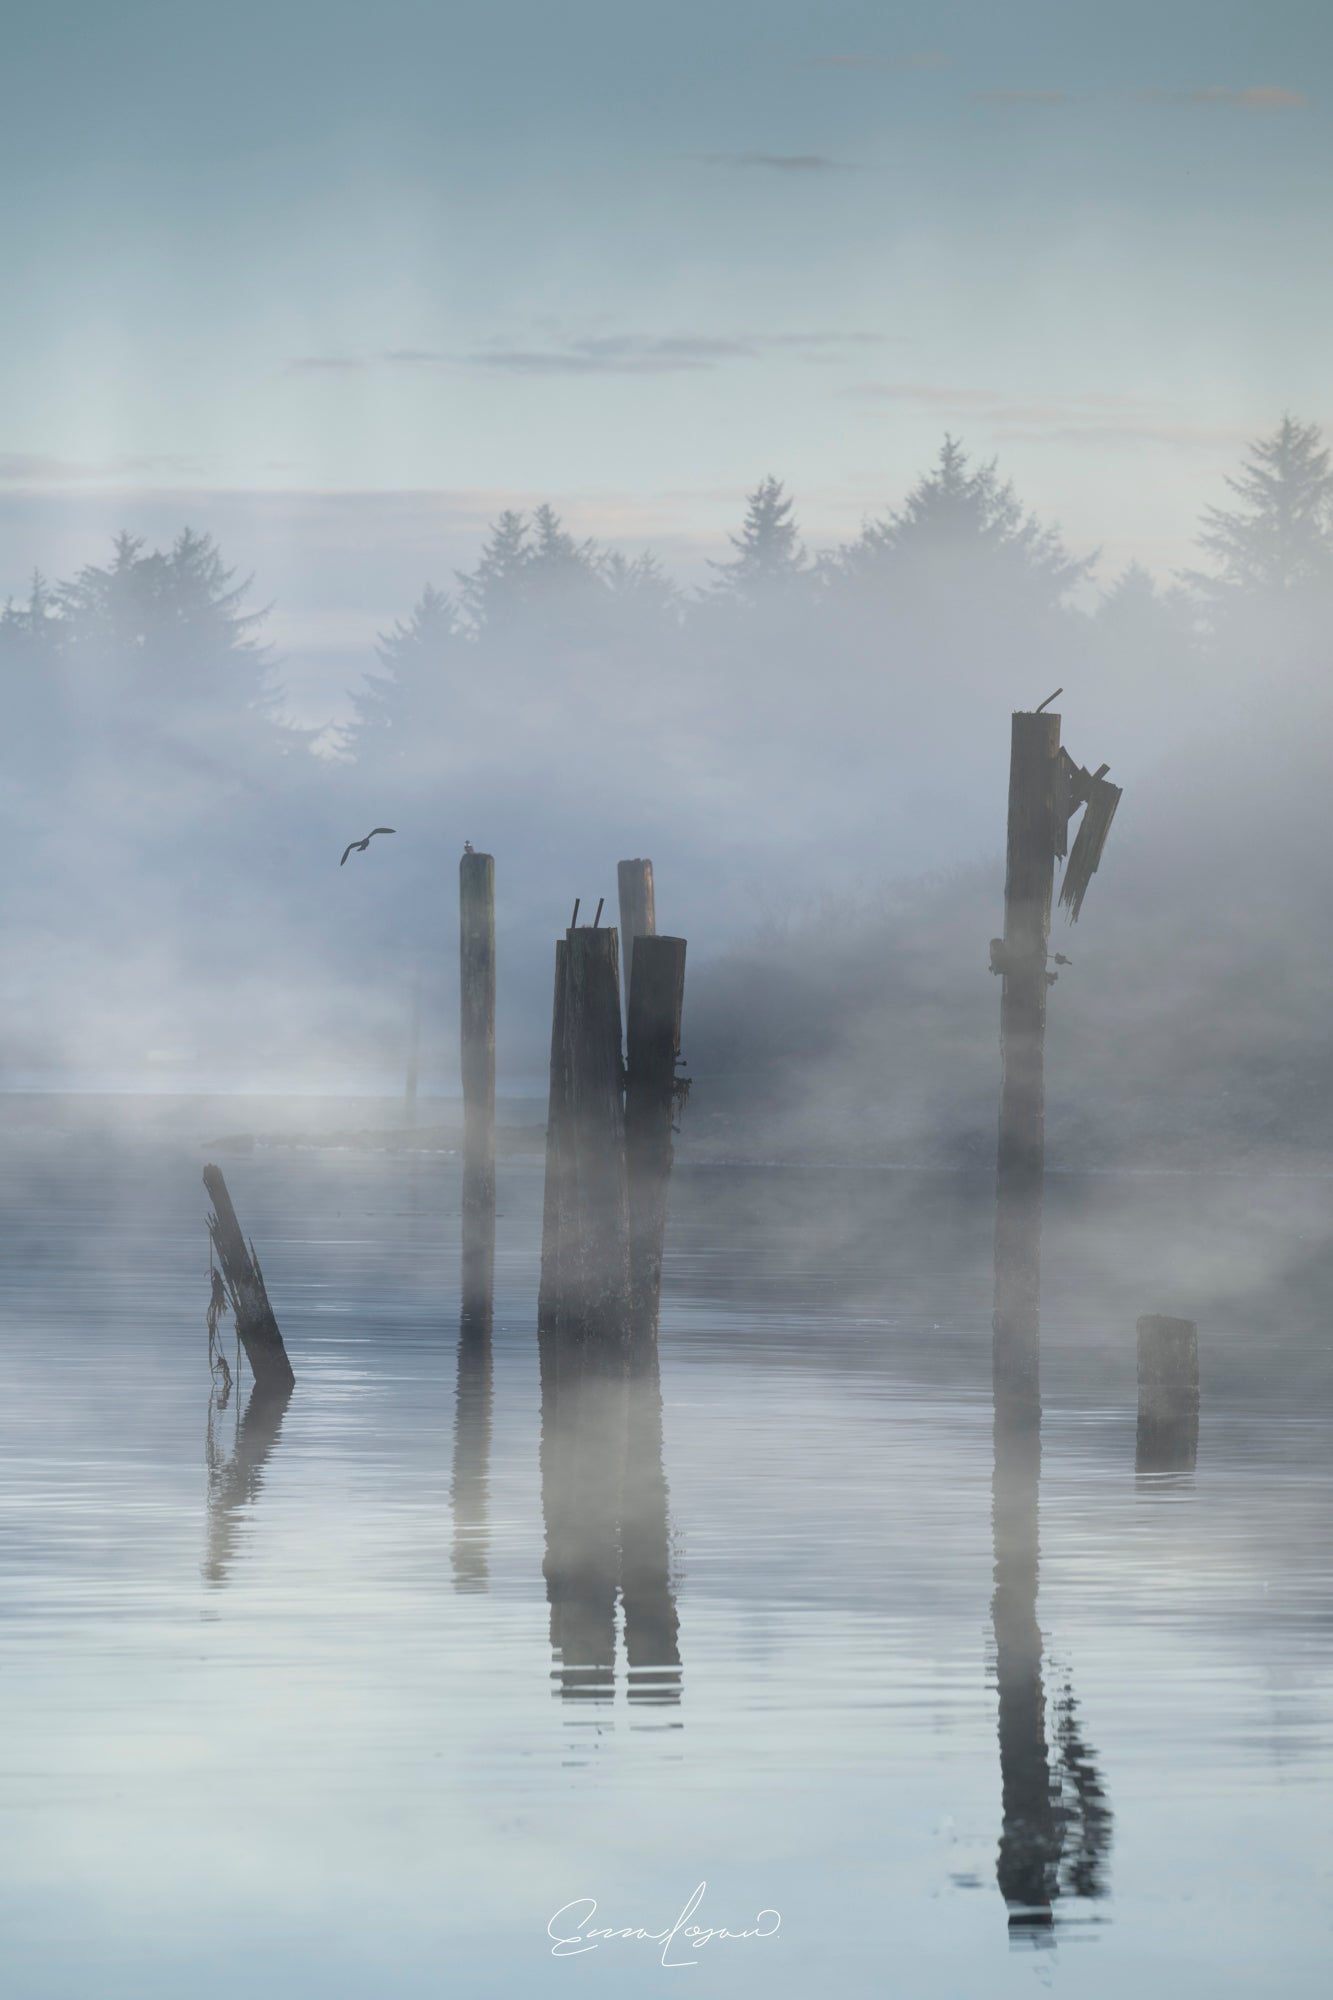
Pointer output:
1034, 838
255, 1322
476, 971
585, 1248
413, 1051
656, 1000
638, 914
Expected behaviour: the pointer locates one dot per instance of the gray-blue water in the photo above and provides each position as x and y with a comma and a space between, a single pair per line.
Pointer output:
281, 1712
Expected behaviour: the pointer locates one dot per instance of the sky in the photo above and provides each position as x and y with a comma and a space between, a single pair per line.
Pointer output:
338, 283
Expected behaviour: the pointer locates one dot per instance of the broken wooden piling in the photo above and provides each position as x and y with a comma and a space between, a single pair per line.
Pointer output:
255, 1322
652, 1095
476, 974
1168, 1365
1029, 881
638, 914
1045, 788
585, 1248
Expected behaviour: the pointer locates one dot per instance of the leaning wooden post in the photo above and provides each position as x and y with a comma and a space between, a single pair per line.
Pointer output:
656, 999
255, 1324
638, 914
1029, 879
1168, 1427
476, 971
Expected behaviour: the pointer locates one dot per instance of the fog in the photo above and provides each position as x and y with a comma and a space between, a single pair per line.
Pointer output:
811, 743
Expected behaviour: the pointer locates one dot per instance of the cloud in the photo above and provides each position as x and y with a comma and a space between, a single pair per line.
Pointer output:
318, 363
1253, 97
919, 59
1047, 97
409, 355
19, 468
622, 354
785, 163
640, 354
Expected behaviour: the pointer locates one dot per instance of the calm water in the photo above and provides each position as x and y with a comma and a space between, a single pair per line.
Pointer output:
281, 1710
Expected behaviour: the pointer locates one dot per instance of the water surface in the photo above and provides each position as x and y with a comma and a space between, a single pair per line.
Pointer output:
282, 1709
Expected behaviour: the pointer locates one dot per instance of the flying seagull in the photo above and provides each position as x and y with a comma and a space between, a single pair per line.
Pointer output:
360, 846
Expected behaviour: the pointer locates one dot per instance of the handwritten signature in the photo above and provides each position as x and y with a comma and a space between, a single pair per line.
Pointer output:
583, 1937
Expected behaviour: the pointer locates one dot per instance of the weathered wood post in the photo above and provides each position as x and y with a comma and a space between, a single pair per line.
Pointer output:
656, 1000
593, 1217
1029, 880
255, 1323
1168, 1426
476, 972
638, 914
1045, 788
557, 1145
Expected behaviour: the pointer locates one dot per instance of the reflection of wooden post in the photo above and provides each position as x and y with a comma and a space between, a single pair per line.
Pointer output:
1168, 1428
235, 1482
472, 1450
255, 1323
1027, 1867
638, 914
1033, 838
652, 1628
656, 998
476, 967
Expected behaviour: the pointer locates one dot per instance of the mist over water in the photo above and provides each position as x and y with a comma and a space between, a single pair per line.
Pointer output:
845, 455
358, 1667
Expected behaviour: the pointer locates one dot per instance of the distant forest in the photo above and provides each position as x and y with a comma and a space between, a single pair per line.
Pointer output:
559, 699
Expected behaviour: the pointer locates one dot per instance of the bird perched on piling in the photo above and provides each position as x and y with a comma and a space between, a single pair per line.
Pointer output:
468, 848
360, 846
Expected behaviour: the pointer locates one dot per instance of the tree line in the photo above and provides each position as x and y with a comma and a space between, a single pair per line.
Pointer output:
159, 638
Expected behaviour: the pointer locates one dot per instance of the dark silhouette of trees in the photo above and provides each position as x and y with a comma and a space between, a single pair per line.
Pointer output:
963, 529
770, 559
413, 683
1278, 543
164, 624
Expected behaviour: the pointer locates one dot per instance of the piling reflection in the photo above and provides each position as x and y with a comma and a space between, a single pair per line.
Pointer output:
1056, 1831
604, 1497
236, 1477
470, 1485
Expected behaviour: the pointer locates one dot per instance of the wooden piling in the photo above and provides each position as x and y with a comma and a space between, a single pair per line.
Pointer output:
413, 1052
594, 1203
1168, 1426
255, 1323
476, 971
557, 1142
656, 999
638, 913
1033, 841
584, 1301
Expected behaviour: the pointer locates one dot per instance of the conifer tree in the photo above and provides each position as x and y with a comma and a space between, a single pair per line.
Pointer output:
1278, 543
